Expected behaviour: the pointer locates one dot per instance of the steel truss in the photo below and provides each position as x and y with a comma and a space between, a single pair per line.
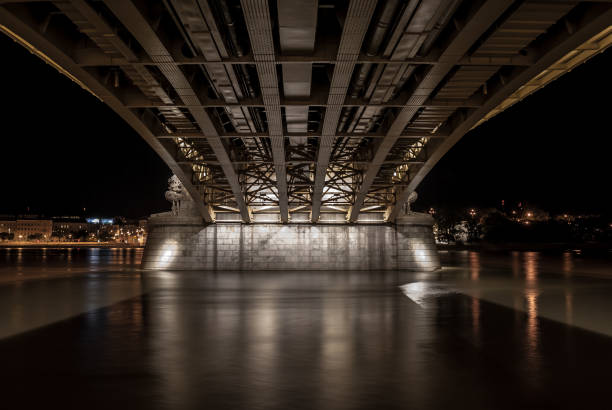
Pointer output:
347, 118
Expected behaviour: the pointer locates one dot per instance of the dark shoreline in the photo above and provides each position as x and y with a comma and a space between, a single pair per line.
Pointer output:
528, 246
60, 245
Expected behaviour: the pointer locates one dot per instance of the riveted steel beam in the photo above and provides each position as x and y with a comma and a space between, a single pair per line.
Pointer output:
434, 65
560, 46
142, 102
27, 33
298, 162
259, 25
480, 20
134, 20
360, 135
88, 57
355, 27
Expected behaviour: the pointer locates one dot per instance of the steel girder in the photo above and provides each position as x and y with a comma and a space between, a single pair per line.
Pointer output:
133, 19
27, 33
473, 29
91, 57
559, 54
257, 16
355, 27
422, 98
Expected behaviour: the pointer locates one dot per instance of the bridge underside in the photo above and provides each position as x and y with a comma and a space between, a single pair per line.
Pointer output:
307, 110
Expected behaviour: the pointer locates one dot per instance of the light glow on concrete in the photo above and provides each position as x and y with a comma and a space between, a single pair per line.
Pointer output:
168, 254
274, 246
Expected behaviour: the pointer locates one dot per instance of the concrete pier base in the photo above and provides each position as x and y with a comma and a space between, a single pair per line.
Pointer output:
184, 243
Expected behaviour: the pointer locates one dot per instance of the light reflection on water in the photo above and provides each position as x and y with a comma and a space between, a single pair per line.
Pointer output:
337, 340
516, 264
49, 262
568, 263
531, 267
474, 259
532, 331
476, 316
569, 307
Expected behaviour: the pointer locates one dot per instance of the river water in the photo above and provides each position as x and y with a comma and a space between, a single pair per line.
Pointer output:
86, 328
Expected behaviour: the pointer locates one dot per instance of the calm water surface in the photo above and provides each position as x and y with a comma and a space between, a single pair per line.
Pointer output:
85, 328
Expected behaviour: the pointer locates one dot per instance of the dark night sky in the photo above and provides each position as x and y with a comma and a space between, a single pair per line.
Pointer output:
63, 150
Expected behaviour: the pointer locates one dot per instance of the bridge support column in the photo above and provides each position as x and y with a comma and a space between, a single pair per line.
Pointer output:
416, 247
184, 243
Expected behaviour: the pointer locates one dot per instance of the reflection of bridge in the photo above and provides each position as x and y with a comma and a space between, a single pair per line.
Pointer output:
305, 109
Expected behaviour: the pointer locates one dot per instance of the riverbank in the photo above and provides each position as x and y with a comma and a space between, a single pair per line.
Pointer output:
527, 246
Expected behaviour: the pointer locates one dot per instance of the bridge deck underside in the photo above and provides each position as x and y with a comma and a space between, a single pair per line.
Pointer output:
307, 110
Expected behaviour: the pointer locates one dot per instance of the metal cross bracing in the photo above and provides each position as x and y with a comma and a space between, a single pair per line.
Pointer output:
308, 108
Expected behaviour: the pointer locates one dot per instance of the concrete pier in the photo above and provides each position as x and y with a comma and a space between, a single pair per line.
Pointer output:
183, 242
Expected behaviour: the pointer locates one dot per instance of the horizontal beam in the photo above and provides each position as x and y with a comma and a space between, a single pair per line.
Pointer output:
447, 103
299, 162
191, 135
93, 57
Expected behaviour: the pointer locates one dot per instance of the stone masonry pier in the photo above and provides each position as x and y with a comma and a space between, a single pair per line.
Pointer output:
184, 243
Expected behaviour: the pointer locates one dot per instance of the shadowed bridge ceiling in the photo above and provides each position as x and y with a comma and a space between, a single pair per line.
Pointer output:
306, 110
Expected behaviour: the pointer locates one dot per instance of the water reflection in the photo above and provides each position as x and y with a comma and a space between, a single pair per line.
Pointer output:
315, 332
516, 264
531, 260
33, 263
568, 264
475, 316
533, 359
531, 267
474, 258
301, 340
569, 306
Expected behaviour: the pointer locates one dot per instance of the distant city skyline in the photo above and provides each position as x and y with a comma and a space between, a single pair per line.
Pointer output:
549, 150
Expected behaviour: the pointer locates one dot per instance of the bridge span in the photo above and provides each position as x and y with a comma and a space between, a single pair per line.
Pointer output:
307, 111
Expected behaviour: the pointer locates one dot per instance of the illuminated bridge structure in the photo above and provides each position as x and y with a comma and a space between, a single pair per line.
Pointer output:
297, 111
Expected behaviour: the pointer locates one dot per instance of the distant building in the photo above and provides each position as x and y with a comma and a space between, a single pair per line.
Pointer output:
26, 228
128, 233
72, 228
7, 226
63, 226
